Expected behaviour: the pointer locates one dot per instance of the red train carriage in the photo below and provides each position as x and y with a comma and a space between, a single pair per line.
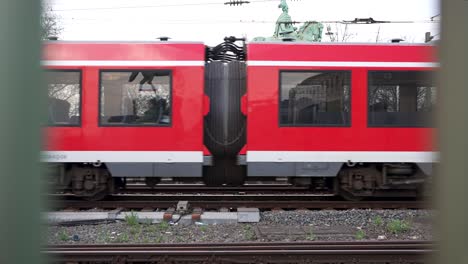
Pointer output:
123, 110
358, 111
352, 119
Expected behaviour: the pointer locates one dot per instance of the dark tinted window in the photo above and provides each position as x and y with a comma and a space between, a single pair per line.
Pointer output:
135, 98
64, 98
401, 98
315, 98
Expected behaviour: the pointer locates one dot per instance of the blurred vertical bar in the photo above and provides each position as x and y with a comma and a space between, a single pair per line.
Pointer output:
452, 179
20, 93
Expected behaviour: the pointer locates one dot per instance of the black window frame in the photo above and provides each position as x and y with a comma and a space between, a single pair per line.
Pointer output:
369, 125
349, 124
80, 105
170, 71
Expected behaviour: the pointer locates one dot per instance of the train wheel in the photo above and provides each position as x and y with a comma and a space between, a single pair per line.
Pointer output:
91, 183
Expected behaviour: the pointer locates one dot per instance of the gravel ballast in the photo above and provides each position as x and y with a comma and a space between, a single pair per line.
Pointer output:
279, 226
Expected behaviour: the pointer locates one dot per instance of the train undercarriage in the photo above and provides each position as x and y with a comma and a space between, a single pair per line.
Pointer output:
353, 182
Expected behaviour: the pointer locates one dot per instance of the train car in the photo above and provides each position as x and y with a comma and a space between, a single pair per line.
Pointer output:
347, 119
352, 117
118, 110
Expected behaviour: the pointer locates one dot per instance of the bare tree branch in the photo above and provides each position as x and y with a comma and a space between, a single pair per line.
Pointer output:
377, 39
341, 33
49, 22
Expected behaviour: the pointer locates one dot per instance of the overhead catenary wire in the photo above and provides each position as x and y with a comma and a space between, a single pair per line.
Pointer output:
231, 2
197, 21
236, 2
220, 3
77, 21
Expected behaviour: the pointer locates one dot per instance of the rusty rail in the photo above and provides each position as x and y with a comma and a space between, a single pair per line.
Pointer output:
309, 252
223, 201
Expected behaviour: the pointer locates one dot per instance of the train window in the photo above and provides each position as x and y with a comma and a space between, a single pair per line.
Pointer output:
315, 98
135, 98
64, 98
401, 98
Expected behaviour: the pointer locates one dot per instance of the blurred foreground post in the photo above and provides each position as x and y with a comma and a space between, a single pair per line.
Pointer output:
20, 93
452, 179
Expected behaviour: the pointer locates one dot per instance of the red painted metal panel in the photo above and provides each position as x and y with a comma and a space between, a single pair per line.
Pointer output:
124, 51
341, 52
186, 131
264, 132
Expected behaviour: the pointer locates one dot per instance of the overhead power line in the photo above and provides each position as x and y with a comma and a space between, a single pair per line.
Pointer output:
236, 2
369, 20
194, 21
432, 17
153, 6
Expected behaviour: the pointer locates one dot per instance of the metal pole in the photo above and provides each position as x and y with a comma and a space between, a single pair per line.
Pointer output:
452, 179
20, 90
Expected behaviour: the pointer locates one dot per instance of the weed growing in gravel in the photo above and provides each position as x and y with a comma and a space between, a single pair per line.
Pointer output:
310, 235
101, 237
122, 238
63, 235
131, 219
203, 228
360, 234
378, 221
163, 226
249, 234
136, 230
158, 239
398, 226
152, 228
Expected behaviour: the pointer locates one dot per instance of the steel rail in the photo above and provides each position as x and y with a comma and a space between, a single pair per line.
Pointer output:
203, 189
320, 252
217, 202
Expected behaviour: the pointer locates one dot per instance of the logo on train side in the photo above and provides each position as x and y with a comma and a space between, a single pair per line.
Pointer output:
53, 156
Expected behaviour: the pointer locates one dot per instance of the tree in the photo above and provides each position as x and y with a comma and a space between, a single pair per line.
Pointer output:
341, 33
49, 22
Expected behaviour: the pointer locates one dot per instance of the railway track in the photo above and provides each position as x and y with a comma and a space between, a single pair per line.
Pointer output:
197, 188
309, 252
260, 201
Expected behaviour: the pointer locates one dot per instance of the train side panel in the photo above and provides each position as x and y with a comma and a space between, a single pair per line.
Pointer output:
151, 128
278, 148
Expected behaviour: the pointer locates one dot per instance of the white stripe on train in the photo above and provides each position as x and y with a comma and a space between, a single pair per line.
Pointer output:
252, 156
111, 63
155, 63
122, 156
342, 156
344, 64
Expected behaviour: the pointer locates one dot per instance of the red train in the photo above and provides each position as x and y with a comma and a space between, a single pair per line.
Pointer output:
353, 119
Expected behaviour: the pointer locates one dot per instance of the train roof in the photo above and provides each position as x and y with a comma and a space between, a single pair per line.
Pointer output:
130, 42
293, 54
337, 43
113, 53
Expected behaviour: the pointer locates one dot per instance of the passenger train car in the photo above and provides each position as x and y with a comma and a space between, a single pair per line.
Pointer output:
353, 119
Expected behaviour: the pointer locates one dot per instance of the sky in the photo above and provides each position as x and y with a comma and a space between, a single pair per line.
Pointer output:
210, 21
